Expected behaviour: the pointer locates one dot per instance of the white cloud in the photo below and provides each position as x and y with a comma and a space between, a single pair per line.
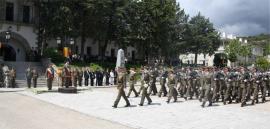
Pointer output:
233, 16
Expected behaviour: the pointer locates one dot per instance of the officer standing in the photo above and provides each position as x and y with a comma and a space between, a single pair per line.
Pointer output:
132, 82
75, 75
121, 85
35, 77
29, 75
12, 77
50, 76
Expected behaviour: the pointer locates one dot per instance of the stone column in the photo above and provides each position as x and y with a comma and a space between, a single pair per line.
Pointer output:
19, 17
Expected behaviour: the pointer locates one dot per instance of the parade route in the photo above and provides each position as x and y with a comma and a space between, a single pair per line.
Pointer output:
160, 115
18, 111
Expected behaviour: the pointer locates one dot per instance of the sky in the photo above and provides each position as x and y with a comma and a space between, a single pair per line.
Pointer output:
237, 17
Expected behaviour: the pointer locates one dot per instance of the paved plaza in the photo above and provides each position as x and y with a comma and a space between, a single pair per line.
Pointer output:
97, 102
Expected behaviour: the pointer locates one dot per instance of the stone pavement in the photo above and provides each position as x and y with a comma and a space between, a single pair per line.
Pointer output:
160, 115
22, 112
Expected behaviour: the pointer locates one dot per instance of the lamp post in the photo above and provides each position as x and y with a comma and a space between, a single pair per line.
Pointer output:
58, 41
72, 44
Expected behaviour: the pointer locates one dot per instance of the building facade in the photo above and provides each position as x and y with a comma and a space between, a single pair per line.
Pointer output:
18, 17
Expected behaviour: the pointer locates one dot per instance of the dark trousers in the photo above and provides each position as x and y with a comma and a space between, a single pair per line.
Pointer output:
92, 82
35, 82
86, 81
29, 82
49, 83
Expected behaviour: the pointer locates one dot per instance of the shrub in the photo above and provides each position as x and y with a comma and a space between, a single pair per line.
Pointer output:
54, 55
262, 63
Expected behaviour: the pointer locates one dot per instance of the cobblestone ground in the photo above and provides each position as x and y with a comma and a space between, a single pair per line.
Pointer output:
22, 112
160, 115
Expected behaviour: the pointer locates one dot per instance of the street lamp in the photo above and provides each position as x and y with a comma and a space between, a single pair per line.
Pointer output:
71, 43
58, 41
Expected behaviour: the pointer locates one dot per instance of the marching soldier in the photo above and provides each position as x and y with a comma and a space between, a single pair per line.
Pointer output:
258, 83
49, 76
243, 87
12, 77
35, 77
121, 85
229, 89
162, 84
132, 82
208, 82
153, 87
28, 75
142, 80
172, 84
144, 89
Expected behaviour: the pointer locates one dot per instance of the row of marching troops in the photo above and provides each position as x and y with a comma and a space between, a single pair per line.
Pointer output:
207, 84
7, 76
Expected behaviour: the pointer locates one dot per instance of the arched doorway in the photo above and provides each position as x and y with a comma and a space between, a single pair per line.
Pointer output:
9, 53
16, 48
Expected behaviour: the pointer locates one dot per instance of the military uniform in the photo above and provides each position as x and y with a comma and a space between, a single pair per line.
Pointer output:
28, 76
74, 76
162, 84
172, 84
144, 89
121, 93
153, 87
256, 86
50, 76
12, 78
229, 89
80, 77
132, 81
208, 82
66, 75
35, 77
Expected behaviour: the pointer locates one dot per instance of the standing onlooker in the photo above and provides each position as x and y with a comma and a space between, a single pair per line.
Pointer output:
111, 77
80, 76
86, 74
1, 76
35, 77
12, 77
28, 76
92, 77
107, 76
115, 77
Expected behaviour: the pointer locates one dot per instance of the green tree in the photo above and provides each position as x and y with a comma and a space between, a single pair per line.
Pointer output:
200, 37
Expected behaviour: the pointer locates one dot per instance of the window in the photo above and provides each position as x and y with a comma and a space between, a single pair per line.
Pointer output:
76, 49
133, 55
89, 51
9, 11
26, 14
112, 52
